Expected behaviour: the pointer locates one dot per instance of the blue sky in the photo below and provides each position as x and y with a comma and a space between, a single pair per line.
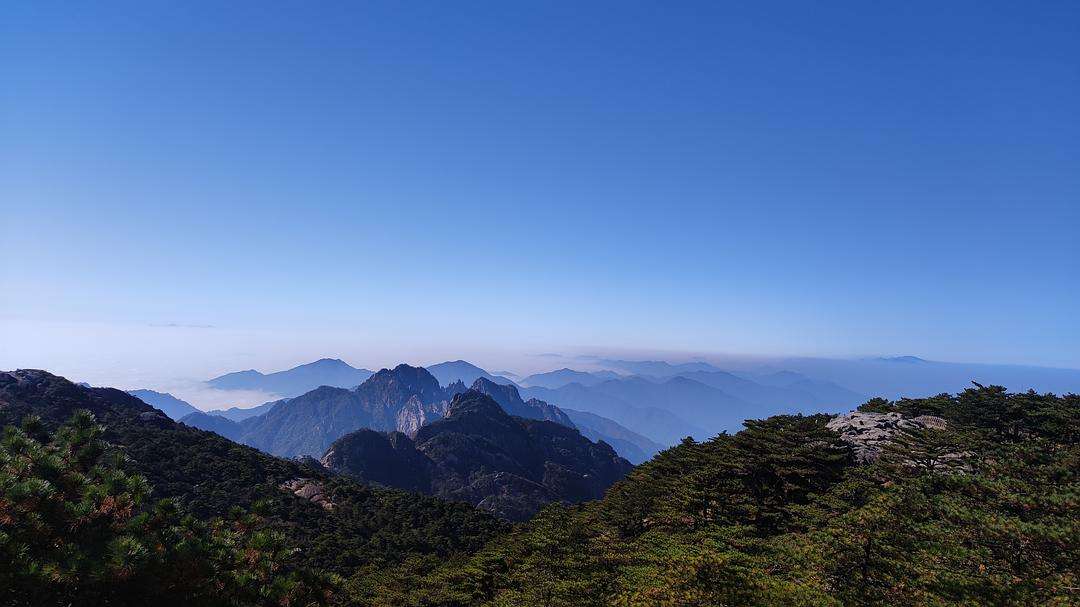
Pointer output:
357, 179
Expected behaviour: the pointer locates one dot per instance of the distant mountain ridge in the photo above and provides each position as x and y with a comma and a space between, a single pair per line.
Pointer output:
462, 371
658, 368
296, 381
239, 414
479, 453
635, 447
564, 376
660, 425
402, 399
165, 402
218, 424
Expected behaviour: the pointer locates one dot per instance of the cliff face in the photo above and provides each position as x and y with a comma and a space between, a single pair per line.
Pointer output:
478, 453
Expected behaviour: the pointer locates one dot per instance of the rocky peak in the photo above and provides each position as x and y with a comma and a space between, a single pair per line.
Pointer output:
456, 387
501, 393
404, 381
474, 402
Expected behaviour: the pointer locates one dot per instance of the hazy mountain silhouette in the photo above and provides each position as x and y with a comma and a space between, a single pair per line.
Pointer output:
463, 371
823, 393
657, 424
295, 381
911, 360
635, 447
783, 392
657, 368
561, 377
831, 380
167, 403
239, 414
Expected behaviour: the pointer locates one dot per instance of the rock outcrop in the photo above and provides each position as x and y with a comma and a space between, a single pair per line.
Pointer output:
867, 432
309, 489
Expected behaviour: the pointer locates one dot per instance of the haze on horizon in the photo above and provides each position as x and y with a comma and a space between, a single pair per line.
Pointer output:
193, 189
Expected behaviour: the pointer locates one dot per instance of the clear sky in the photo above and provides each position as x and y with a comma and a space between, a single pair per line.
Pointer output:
285, 180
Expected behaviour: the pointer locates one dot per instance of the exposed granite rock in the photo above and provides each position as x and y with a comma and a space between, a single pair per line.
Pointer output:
155, 417
415, 414
309, 489
866, 432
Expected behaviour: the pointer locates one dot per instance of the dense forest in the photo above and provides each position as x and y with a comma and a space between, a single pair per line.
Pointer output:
102, 501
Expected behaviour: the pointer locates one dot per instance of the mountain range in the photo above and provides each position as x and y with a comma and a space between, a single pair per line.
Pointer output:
401, 399
637, 406
475, 452
480, 454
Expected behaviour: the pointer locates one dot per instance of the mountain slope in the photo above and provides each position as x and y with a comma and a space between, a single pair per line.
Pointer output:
478, 453
295, 381
635, 447
213, 423
167, 403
